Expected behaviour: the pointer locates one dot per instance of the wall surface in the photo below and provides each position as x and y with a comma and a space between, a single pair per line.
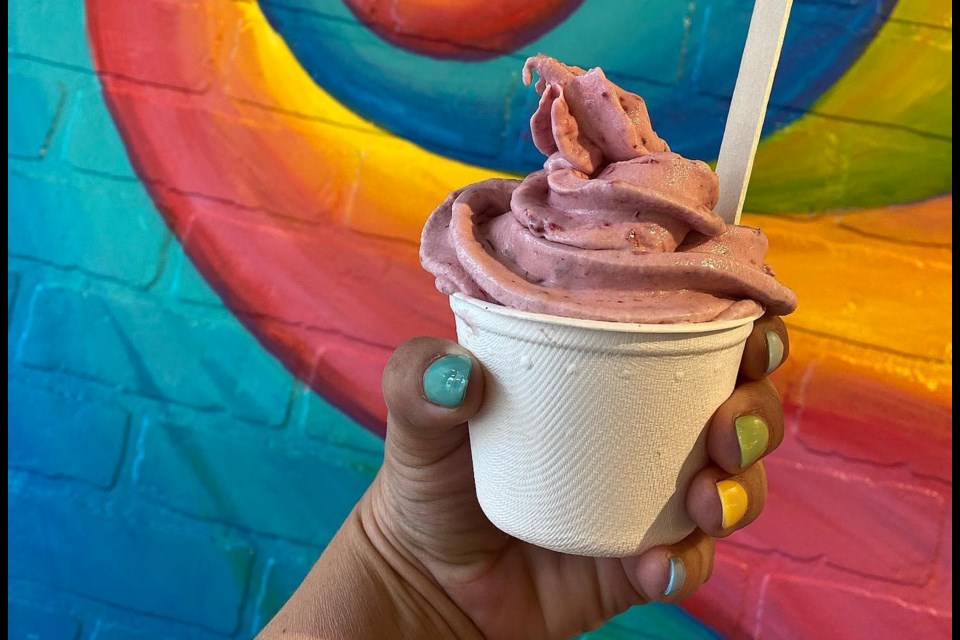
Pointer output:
214, 209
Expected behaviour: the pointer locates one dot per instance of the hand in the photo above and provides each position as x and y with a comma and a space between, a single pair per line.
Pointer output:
450, 573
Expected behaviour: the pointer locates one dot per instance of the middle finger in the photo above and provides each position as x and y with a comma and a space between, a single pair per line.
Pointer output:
748, 426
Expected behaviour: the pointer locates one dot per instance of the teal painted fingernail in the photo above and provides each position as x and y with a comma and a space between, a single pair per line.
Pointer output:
445, 380
774, 351
753, 437
678, 575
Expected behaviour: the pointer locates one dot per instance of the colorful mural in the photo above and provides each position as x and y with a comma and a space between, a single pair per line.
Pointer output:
294, 149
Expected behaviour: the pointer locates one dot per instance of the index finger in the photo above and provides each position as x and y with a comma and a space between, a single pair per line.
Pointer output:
767, 348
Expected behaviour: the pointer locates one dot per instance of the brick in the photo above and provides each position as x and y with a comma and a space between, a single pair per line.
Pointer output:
162, 158
323, 276
187, 283
874, 312
111, 631
227, 478
60, 223
154, 28
345, 372
617, 48
931, 224
724, 599
13, 286
142, 628
840, 3
236, 83
929, 107
57, 436
720, 41
121, 633
144, 347
335, 10
372, 181
343, 40
191, 579
325, 422
27, 623
943, 580
871, 527
33, 114
818, 38
342, 368
282, 578
862, 419
655, 621
92, 140
934, 14
795, 608
817, 32
245, 173
32, 24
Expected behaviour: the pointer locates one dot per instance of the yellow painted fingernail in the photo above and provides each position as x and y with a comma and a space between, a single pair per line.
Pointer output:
733, 500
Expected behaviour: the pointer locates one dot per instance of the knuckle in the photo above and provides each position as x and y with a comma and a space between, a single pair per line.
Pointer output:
410, 353
771, 390
709, 555
397, 369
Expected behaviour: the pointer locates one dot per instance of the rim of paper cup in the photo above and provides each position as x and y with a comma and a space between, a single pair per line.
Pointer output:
604, 325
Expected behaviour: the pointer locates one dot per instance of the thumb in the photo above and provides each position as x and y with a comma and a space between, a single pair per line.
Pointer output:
431, 387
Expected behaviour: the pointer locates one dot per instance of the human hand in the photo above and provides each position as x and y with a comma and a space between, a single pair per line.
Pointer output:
451, 573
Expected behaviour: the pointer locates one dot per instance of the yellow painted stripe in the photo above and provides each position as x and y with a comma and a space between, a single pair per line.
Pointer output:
880, 135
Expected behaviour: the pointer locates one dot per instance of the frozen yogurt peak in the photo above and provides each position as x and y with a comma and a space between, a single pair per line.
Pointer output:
614, 227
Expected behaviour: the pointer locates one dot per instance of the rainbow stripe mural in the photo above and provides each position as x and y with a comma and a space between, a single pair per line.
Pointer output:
295, 148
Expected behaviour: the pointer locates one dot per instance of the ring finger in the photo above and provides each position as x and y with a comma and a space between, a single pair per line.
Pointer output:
720, 503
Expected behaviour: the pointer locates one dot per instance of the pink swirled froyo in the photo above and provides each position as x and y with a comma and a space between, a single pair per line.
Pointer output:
615, 227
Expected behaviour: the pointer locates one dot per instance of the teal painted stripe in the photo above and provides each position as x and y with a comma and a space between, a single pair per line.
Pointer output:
653, 622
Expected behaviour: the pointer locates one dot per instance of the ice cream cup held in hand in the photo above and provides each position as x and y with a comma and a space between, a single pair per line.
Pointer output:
590, 432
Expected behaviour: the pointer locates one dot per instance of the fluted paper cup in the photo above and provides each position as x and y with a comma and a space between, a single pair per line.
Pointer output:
590, 432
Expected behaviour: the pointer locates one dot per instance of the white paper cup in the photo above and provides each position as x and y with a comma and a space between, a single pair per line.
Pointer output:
590, 432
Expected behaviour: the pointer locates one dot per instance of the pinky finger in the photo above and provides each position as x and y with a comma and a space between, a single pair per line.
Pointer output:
670, 574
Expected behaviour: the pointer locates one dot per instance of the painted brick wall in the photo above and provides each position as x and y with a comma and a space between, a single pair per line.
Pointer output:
167, 478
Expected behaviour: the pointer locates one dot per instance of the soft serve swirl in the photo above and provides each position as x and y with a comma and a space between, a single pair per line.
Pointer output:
615, 227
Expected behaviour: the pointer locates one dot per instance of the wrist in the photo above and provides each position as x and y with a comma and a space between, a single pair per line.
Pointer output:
367, 586
423, 607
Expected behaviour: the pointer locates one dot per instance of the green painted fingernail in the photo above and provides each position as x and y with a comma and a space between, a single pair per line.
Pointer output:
753, 436
678, 575
774, 351
445, 380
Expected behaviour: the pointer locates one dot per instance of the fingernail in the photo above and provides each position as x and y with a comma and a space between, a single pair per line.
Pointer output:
733, 501
774, 351
445, 380
678, 575
753, 436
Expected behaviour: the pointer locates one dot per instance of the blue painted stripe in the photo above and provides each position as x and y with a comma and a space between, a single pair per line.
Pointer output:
683, 61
